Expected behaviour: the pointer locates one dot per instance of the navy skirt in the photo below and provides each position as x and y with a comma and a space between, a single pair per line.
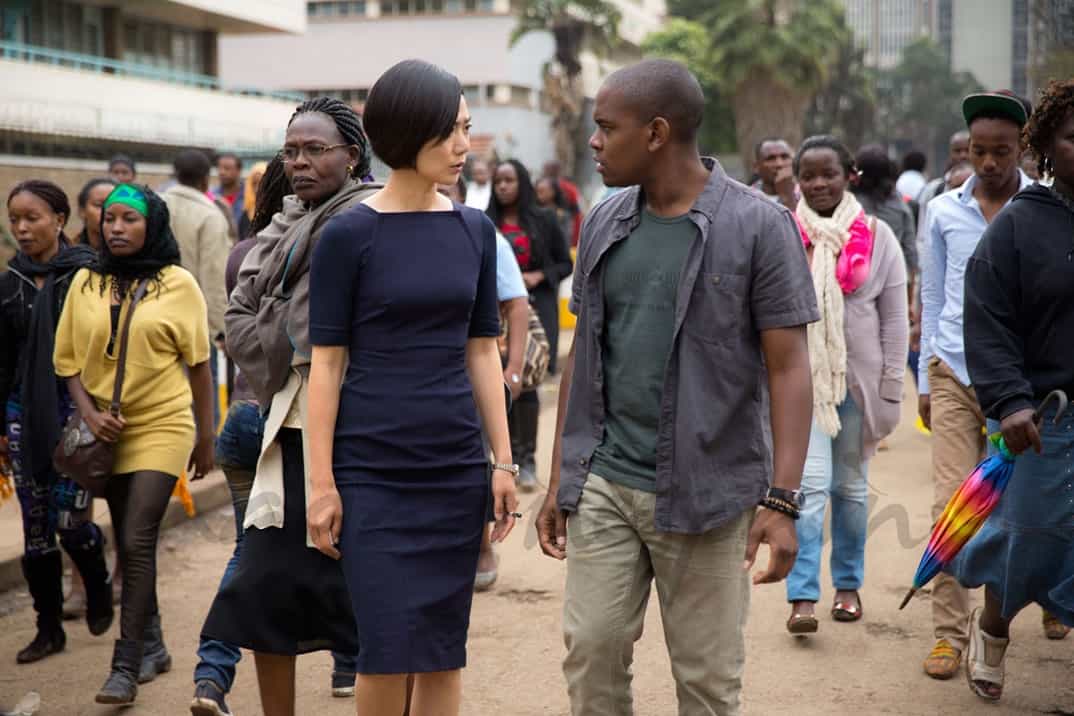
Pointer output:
410, 543
1024, 552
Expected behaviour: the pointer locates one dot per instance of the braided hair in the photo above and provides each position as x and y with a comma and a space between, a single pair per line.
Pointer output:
49, 193
1056, 103
826, 141
159, 251
347, 122
273, 188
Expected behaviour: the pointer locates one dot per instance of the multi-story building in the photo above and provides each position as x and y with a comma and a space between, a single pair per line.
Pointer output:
84, 80
348, 44
1002, 41
884, 27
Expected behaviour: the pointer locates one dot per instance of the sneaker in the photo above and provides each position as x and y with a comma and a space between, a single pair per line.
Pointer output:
342, 684
208, 700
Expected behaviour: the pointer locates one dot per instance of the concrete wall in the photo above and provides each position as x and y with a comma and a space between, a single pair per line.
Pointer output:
46, 99
981, 32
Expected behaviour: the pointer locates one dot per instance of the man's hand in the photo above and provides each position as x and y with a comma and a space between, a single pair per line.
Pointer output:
552, 527
777, 531
924, 409
1020, 432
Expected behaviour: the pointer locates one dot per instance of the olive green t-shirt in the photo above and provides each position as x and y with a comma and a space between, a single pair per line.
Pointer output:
641, 280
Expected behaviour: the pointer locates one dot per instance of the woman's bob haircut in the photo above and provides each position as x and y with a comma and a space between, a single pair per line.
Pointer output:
412, 104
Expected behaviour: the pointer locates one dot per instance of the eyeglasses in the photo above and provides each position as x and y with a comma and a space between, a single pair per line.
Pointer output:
312, 151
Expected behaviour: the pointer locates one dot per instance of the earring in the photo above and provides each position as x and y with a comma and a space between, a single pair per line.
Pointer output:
350, 168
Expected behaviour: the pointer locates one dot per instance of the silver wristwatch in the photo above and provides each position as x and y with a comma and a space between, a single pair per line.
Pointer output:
513, 469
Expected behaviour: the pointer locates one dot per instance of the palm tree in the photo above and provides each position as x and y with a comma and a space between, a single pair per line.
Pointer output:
574, 24
847, 106
772, 57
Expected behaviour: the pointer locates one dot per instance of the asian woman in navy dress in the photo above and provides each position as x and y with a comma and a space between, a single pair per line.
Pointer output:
406, 282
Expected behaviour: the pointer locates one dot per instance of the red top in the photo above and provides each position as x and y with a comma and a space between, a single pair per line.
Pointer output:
520, 242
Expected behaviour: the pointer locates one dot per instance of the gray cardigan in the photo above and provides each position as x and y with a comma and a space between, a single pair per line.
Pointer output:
877, 331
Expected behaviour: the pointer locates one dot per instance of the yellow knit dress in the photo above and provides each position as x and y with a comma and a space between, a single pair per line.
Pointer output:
169, 332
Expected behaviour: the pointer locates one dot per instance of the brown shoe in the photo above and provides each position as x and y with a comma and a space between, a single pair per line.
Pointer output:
1053, 628
943, 661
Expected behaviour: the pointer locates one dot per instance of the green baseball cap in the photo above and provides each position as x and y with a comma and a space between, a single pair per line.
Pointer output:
1004, 102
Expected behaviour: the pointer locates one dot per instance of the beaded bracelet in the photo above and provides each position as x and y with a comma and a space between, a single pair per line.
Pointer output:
773, 503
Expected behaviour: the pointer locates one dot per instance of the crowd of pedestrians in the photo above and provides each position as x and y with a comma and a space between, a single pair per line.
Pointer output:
740, 354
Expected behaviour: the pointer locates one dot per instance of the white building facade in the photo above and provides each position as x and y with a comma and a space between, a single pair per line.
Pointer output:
349, 43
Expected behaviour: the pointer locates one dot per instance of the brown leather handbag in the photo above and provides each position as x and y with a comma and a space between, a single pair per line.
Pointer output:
79, 454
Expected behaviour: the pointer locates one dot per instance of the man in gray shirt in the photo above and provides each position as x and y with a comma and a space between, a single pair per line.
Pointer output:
692, 293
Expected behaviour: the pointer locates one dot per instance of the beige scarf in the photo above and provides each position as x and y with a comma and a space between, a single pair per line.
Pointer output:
827, 337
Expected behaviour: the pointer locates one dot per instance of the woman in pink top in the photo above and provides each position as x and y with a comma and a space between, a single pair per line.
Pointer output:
857, 352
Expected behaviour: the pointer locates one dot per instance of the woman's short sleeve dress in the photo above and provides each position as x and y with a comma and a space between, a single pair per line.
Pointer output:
169, 333
405, 292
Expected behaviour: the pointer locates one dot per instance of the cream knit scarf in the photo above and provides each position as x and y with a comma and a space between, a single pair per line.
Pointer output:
827, 337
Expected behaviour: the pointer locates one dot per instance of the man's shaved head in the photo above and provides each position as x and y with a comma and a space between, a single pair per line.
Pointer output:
661, 88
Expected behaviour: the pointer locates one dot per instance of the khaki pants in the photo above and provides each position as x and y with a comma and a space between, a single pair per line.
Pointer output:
958, 444
614, 554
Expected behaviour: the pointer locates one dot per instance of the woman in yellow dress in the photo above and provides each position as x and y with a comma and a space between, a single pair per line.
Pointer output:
167, 370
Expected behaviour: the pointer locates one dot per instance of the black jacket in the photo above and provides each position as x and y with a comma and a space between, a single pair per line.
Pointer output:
1019, 304
17, 293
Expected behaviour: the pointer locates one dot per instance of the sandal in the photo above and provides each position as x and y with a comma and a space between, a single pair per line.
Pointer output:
843, 611
985, 660
1053, 628
943, 661
800, 624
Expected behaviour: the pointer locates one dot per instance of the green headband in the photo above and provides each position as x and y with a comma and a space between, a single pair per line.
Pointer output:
128, 195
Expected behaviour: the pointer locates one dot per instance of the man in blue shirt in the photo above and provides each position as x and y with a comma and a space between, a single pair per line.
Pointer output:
955, 222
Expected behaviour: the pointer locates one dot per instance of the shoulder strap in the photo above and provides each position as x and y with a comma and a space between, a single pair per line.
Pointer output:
121, 365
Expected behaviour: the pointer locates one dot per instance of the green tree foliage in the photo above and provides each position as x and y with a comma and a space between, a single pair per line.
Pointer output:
847, 106
766, 58
687, 41
575, 25
919, 101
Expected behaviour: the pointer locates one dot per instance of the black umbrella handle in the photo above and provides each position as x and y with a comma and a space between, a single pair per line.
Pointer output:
1058, 396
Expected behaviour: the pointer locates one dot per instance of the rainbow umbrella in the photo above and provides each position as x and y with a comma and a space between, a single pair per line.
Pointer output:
971, 504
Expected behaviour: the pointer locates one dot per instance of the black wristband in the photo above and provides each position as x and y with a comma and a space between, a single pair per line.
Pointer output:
772, 503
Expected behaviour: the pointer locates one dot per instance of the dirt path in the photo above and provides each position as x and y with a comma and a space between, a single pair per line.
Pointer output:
873, 667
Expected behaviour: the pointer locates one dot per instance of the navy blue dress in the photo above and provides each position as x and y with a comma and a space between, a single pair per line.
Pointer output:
404, 292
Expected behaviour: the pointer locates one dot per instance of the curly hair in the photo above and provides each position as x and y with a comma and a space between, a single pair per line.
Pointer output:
1056, 104
159, 251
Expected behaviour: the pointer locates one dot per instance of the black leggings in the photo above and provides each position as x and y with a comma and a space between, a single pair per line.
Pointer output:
137, 502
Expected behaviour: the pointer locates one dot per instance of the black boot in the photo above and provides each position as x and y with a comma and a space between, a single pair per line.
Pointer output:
44, 575
155, 657
122, 684
89, 559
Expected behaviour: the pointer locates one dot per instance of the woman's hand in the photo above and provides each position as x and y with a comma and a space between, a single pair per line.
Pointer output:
324, 519
201, 460
104, 426
532, 279
504, 503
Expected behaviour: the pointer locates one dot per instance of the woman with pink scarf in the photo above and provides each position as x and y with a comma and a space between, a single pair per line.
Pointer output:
857, 352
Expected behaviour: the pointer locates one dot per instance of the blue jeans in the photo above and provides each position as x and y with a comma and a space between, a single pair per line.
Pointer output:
835, 468
238, 448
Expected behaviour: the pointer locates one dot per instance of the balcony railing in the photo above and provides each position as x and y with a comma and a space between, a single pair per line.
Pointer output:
92, 63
